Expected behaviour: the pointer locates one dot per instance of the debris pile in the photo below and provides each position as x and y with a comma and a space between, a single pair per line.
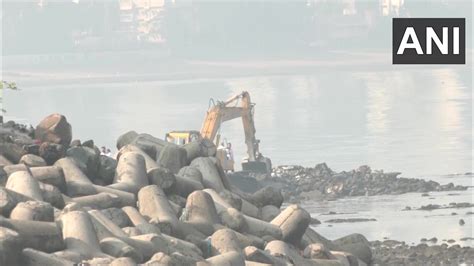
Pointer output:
321, 182
62, 203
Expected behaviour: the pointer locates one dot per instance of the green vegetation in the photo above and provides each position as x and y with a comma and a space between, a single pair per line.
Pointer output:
7, 86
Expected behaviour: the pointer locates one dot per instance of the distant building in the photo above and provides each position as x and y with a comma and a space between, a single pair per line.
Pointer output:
391, 7
142, 19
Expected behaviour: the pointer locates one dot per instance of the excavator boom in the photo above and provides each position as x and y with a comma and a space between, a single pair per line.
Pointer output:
228, 110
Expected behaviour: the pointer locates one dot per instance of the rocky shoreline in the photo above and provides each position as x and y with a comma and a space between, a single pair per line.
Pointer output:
300, 183
392, 252
63, 203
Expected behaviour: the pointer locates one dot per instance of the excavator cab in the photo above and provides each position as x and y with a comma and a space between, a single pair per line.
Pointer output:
181, 137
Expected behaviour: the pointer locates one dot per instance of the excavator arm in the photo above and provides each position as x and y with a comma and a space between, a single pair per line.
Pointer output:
228, 110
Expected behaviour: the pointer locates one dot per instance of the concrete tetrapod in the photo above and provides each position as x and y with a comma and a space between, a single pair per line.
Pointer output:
22, 182
10, 246
52, 195
149, 161
293, 222
185, 186
78, 184
9, 199
140, 222
43, 236
52, 175
118, 248
80, 236
131, 173
32, 257
209, 172
100, 200
106, 228
231, 258
257, 255
201, 212
191, 172
154, 205
168, 245
261, 228
33, 211
224, 240
174, 258
150, 144
289, 253
32, 160
199, 148
269, 212
232, 219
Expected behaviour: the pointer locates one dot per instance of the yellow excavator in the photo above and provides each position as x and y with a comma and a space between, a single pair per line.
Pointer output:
219, 112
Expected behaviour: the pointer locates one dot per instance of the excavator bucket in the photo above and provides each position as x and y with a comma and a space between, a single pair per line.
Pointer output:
255, 167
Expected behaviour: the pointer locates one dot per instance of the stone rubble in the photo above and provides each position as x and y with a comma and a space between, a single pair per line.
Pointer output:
392, 252
61, 203
321, 182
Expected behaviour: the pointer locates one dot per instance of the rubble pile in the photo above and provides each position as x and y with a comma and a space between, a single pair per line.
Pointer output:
62, 203
320, 182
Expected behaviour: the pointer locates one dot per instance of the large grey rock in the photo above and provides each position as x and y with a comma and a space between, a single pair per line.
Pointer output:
51, 152
267, 196
11, 151
357, 245
54, 128
269, 212
87, 157
107, 167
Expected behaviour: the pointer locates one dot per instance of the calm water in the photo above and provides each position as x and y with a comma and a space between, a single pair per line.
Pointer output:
408, 226
417, 121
